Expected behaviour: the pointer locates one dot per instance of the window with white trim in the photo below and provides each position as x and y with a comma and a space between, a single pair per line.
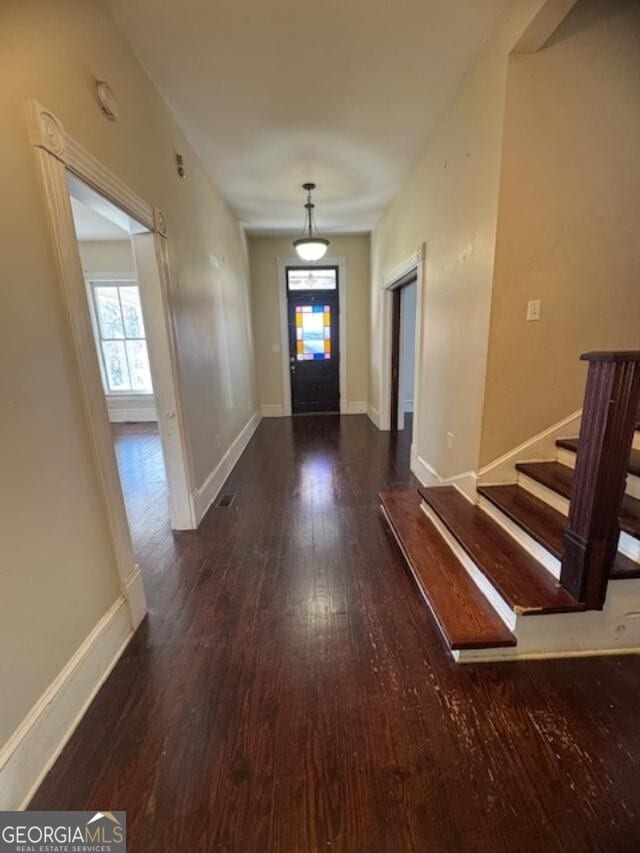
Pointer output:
122, 344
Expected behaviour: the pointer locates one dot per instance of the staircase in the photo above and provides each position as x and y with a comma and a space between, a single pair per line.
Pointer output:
529, 570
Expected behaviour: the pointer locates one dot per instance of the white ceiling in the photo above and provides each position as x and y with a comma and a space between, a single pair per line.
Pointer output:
91, 226
341, 92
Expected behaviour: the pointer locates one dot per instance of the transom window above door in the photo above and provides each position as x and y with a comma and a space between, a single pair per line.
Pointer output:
312, 278
121, 339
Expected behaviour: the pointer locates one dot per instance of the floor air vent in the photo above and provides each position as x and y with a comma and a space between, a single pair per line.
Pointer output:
225, 500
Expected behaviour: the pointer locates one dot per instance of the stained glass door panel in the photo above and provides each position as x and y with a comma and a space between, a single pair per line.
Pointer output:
313, 332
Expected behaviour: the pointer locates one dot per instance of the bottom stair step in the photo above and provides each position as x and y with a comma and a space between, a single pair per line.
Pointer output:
526, 586
464, 615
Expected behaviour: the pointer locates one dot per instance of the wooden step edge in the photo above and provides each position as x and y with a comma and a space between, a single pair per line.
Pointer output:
486, 492
504, 637
624, 568
571, 444
572, 606
538, 472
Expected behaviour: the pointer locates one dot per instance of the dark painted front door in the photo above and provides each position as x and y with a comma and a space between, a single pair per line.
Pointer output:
314, 351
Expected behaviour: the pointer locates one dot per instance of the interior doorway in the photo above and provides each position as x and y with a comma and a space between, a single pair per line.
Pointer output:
123, 291
314, 338
403, 352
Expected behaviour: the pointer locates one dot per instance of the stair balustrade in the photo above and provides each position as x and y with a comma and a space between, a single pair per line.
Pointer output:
609, 417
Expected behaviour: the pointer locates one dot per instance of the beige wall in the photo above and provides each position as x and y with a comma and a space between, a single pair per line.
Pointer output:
569, 223
107, 256
57, 563
264, 253
450, 200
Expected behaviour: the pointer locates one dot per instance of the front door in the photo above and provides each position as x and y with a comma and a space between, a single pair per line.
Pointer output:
313, 339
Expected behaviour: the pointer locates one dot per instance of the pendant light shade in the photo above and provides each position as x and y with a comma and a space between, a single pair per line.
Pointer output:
310, 247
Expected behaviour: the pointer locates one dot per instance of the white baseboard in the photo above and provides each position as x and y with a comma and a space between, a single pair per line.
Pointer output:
272, 410
428, 476
357, 407
136, 598
208, 492
134, 409
538, 448
31, 751
373, 415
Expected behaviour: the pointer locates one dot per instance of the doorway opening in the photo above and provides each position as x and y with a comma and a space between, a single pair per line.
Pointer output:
314, 338
403, 352
124, 300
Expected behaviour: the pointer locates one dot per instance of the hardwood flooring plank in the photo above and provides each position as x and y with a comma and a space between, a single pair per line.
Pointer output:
289, 693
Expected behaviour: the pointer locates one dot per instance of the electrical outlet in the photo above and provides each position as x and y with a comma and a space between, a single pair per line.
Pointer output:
533, 310
450, 440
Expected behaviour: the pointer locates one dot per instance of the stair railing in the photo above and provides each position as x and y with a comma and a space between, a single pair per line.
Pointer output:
609, 416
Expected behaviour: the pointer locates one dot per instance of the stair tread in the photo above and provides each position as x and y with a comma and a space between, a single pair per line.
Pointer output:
572, 445
624, 568
465, 617
521, 580
544, 523
559, 478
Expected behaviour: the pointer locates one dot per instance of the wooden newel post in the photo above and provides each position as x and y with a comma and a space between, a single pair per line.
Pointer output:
609, 417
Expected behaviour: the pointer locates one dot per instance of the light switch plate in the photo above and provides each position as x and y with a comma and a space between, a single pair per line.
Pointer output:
275, 347
533, 309
450, 440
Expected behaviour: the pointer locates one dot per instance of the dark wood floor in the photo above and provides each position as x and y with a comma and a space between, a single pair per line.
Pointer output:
289, 691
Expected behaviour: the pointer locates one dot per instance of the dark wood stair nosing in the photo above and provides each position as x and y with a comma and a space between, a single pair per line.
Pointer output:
490, 493
558, 478
502, 497
571, 444
532, 572
503, 637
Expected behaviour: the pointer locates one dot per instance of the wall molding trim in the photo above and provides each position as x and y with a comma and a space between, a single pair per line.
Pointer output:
357, 407
207, 493
539, 448
272, 410
390, 280
373, 415
31, 751
131, 409
466, 483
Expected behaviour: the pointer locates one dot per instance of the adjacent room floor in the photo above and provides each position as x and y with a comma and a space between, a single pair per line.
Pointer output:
289, 690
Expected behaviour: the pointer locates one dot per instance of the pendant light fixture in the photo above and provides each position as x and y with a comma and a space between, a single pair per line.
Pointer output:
310, 247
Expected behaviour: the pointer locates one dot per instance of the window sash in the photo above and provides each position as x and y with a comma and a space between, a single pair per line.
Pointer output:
117, 285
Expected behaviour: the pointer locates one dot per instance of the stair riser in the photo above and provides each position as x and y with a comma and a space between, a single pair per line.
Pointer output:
568, 458
542, 554
627, 545
485, 586
545, 494
615, 629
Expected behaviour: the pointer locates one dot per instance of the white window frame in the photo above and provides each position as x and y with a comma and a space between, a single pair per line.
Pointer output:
118, 280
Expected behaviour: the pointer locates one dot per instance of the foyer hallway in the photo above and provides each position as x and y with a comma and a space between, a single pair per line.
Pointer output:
289, 692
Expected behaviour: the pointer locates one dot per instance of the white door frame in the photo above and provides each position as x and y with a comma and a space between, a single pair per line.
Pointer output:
58, 154
339, 261
390, 282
